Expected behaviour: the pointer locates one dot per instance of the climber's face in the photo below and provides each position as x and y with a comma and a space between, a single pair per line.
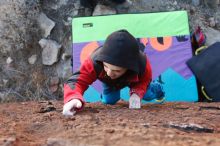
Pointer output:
113, 71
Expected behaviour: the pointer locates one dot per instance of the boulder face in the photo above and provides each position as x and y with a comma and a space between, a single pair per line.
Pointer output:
36, 43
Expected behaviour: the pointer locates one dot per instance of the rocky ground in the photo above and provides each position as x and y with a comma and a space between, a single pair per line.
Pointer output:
42, 124
28, 71
26, 74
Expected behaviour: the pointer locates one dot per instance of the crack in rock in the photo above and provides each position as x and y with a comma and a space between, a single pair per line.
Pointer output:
190, 128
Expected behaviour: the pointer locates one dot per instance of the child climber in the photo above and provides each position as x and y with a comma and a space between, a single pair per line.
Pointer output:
118, 63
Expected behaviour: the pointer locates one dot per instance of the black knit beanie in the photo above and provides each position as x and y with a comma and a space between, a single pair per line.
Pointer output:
120, 49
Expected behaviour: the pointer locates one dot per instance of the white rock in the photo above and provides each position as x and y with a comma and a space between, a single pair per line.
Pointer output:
9, 60
46, 24
103, 10
212, 21
32, 59
69, 19
65, 56
50, 51
5, 81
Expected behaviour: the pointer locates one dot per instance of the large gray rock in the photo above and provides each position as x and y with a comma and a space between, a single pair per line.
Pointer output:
46, 24
50, 51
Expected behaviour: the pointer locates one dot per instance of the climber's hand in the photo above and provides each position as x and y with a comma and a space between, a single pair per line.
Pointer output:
69, 109
134, 102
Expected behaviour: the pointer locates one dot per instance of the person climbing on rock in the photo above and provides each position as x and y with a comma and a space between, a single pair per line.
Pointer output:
117, 64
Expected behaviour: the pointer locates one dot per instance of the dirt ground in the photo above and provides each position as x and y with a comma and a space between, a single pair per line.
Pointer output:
42, 124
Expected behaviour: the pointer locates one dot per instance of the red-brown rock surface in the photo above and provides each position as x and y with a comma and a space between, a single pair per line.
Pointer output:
42, 124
